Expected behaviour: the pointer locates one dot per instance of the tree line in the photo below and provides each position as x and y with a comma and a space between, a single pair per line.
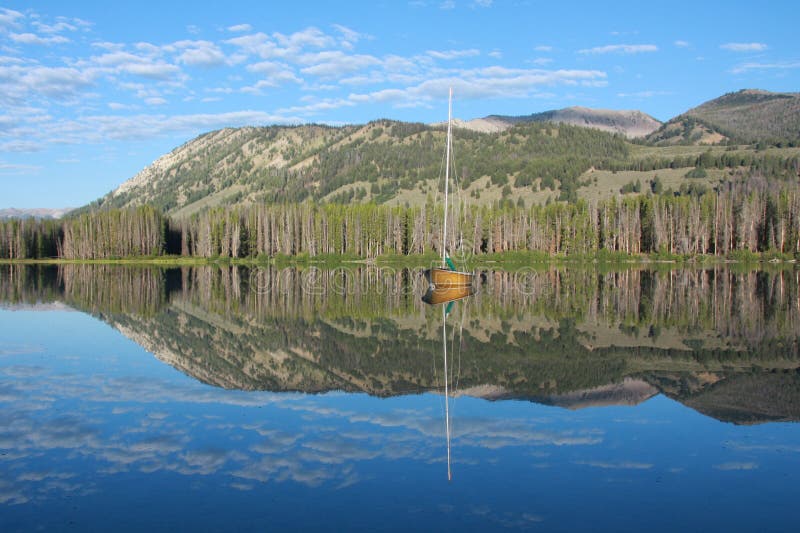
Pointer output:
740, 219
106, 234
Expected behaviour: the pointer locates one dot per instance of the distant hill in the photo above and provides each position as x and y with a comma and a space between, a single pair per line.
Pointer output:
564, 154
40, 213
746, 116
628, 123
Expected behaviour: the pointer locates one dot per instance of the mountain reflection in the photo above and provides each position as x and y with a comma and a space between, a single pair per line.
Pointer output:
721, 341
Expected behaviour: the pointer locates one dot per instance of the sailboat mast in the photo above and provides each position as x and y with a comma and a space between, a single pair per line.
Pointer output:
446, 393
447, 175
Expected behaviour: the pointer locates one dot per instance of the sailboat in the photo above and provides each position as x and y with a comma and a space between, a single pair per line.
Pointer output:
446, 277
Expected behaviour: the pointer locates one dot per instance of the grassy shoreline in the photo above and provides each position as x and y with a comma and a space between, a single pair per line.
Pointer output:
495, 261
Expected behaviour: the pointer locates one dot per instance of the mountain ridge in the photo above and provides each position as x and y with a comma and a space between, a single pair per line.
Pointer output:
34, 212
630, 123
747, 116
386, 161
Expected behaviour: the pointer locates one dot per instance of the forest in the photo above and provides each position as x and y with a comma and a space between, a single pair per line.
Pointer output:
743, 218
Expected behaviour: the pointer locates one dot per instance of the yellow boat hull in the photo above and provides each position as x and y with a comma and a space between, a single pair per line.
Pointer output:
444, 279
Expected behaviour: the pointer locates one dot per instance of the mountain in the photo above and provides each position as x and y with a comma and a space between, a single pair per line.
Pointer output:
383, 161
40, 213
746, 116
628, 123
564, 154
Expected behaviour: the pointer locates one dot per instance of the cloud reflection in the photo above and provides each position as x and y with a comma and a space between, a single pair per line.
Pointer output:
135, 423
737, 466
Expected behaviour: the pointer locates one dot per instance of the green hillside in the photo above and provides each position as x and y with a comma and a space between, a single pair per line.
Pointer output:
746, 116
396, 163
381, 161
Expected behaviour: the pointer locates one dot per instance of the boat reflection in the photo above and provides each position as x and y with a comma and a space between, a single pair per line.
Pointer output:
437, 294
450, 295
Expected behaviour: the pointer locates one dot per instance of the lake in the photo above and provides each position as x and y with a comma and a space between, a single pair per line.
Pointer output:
230, 398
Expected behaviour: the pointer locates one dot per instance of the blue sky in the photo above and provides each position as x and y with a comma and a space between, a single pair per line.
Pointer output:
92, 92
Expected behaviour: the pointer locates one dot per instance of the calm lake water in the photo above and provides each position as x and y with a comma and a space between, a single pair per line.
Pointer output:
278, 399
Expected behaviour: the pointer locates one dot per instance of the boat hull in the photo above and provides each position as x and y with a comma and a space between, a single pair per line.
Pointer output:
444, 279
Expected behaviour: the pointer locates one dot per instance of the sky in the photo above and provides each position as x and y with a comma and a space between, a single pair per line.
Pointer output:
92, 92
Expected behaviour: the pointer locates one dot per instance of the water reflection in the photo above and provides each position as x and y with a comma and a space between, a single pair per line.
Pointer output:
711, 338
91, 421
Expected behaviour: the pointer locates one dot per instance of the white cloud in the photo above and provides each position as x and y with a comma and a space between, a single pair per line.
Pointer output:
259, 86
257, 44
316, 61
240, 28
106, 45
30, 38
58, 27
21, 146
322, 105
482, 3
8, 60
20, 83
267, 68
620, 48
394, 63
199, 54
448, 4
145, 65
220, 90
490, 82
541, 61
153, 50
543, 48
349, 37
98, 128
745, 67
13, 168
9, 18
744, 47
334, 63
153, 71
275, 74
310, 37
453, 54
681, 44
117, 58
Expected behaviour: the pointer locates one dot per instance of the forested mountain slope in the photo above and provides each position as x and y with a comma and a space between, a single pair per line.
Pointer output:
746, 116
530, 160
378, 162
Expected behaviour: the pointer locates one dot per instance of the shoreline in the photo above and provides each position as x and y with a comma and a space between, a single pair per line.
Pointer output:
495, 261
